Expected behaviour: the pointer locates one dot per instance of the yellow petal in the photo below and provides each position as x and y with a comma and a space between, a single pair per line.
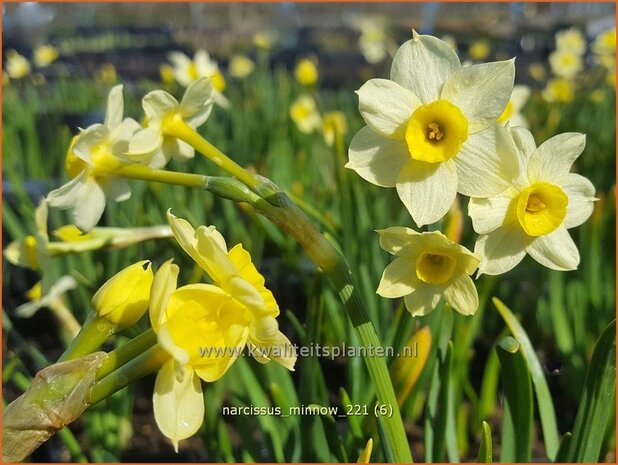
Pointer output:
366, 454
162, 287
178, 404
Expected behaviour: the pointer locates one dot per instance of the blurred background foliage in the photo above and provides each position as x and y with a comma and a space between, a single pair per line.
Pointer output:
100, 45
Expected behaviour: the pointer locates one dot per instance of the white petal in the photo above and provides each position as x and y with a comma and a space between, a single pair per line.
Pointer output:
116, 189
179, 59
486, 163
178, 404
501, 249
121, 135
519, 97
144, 143
115, 108
461, 294
400, 241
490, 213
399, 278
163, 286
428, 190
423, 300
524, 140
182, 150
197, 99
89, 138
222, 101
580, 192
70, 194
556, 250
40, 219
423, 64
552, 161
157, 103
377, 159
481, 92
89, 209
386, 107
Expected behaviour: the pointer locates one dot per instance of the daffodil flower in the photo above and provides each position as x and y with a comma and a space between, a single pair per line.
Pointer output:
334, 124
187, 70
559, 90
306, 72
17, 66
204, 328
99, 150
427, 267
234, 272
152, 145
543, 200
45, 55
305, 115
605, 43
241, 66
571, 40
430, 129
512, 112
565, 63
37, 300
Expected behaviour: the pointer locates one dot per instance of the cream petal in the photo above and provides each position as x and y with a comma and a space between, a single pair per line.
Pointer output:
524, 140
501, 249
519, 97
183, 151
580, 192
70, 194
115, 108
399, 278
283, 352
120, 136
222, 101
143, 144
179, 59
490, 213
376, 158
178, 405
427, 190
423, 64
116, 189
486, 163
89, 209
89, 138
163, 286
157, 103
552, 160
423, 300
481, 92
40, 220
555, 250
401, 241
213, 258
461, 294
386, 107
197, 102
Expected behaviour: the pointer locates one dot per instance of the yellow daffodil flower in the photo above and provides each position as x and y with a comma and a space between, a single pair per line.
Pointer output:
17, 66
306, 72
479, 50
512, 112
559, 90
334, 123
430, 128
241, 66
427, 267
166, 72
543, 201
205, 327
565, 64
101, 149
45, 55
605, 43
537, 72
124, 298
571, 40
305, 115
187, 71
151, 145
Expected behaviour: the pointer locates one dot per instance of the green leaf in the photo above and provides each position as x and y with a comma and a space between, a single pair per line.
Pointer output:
561, 455
517, 422
543, 396
598, 395
486, 449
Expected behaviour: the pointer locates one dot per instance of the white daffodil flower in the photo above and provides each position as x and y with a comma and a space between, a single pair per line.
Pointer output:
512, 112
151, 145
304, 112
38, 301
428, 266
100, 149
533, 214
565, 63
431, 128
187, 70
571, 40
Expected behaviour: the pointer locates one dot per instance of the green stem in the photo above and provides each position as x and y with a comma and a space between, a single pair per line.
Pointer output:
127, 352
94, 332
144, 364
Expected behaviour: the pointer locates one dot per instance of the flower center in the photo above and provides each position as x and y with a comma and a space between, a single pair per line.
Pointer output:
192, 72
31, 255
218, 81
435, 267
541, 208
435, 132
103, 161
507, 113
